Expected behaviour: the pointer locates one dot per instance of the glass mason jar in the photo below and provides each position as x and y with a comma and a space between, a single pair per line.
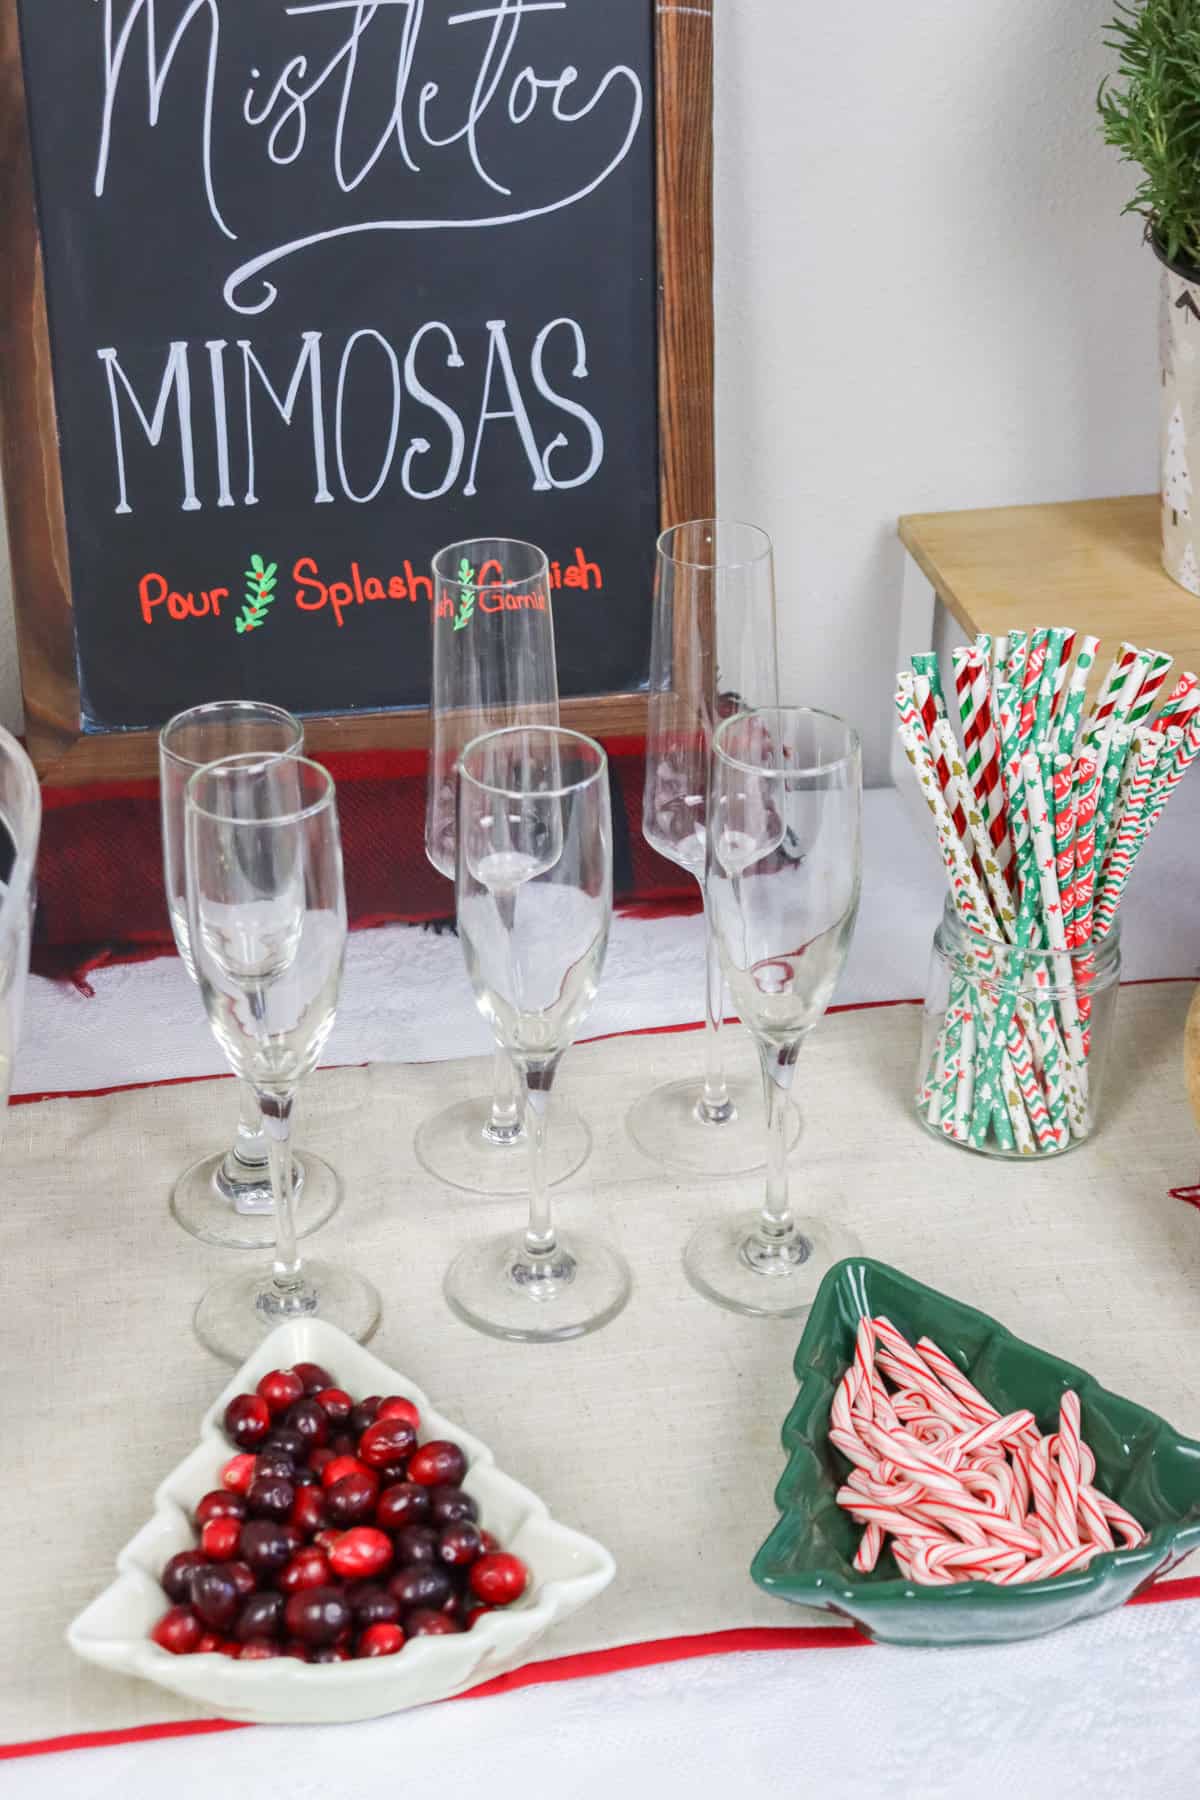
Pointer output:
1014, 1042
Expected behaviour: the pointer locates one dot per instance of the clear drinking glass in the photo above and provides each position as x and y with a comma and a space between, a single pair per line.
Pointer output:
713, 653
225, 1198
267, 921
534, 899
784, 870
493, 666
20, 825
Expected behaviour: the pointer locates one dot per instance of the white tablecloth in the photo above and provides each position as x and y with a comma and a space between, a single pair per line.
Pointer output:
1106, 1708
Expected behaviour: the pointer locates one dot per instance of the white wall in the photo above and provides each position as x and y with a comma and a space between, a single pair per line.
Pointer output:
926, 298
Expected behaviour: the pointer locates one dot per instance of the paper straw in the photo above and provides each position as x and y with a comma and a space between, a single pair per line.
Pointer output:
1117, 671
1034, 664
966, 890
1018, 651
1052, 913
975, 837
1064, 667
1072, 707
1151, 687
1047, 684
1179, 754
1180, 703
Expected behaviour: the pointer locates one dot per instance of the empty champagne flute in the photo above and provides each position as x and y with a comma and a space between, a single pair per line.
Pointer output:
713, 653
225, 1198
267, 925
534, 898
784, 871
493, 665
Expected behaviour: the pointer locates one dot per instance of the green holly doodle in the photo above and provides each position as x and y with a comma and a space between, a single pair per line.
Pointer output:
260, 594
466, 606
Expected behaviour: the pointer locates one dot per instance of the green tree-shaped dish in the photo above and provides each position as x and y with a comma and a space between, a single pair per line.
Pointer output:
1140, 1461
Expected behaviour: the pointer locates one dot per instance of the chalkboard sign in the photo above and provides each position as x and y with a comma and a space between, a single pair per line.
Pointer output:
327, 284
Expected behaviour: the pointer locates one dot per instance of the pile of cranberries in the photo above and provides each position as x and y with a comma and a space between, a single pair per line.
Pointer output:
334, 1534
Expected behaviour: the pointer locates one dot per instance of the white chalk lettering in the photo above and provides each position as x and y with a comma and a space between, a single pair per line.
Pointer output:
308, 361
175, 382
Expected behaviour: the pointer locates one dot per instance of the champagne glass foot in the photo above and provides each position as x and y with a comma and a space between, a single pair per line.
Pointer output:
240, 1214
730, 1261
456, 1148
497, 1288
235, 1315
669, 1126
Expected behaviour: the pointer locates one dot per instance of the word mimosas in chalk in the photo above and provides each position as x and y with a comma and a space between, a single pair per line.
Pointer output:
430, 415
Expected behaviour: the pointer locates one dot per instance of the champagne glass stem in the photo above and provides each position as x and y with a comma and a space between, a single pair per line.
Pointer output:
249, 1145
287, 1276
504, 1123
779, 1067
715, 1108
539, 1237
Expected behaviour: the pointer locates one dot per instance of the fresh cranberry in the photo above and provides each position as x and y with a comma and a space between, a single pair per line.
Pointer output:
215, 1598
309, 1419
238, 1472
499, 1578
326, 1539
281, 1389
260, 1616
447, 1505
220, 1504
221, 1539
247, 1420
242, 1577
351, 1501
308, 1568
317, 1615
308, 1510
428, 1587
177, 1576
474, 1613
330, 1653
344, 1443
304, 1477
265, 1545
489, 1542
337, 1466
386, 1441
320, 1459
337, 1403
372, 1604
293, 1537
395, 1406
460, 1544
210, 1644
380, 1640
363, 1414
313, 1376
392, 1473
178, 1631
361, 1554
416, 1546
423, 1623
438, 1464
274, 1465
289, 1442
270, 1497
402, 1504
295, 1649
257, 1650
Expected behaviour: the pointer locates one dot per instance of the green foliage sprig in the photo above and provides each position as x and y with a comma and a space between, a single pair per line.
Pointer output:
260, 594
1153, 118
466, 603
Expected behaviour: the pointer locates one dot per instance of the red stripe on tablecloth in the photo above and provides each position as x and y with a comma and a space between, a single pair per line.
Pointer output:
585, 1664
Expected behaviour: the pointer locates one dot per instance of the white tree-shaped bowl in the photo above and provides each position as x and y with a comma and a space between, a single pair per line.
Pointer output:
566, 1571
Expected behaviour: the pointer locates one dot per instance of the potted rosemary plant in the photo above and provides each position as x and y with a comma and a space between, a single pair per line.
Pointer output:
1151, 114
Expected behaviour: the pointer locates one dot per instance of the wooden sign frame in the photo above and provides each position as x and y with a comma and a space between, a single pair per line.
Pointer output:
62, 752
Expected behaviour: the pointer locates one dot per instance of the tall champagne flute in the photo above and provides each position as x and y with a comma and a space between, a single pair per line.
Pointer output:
534, 897
713, 652
493, 665
784, 871
267, 921
225, 1198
